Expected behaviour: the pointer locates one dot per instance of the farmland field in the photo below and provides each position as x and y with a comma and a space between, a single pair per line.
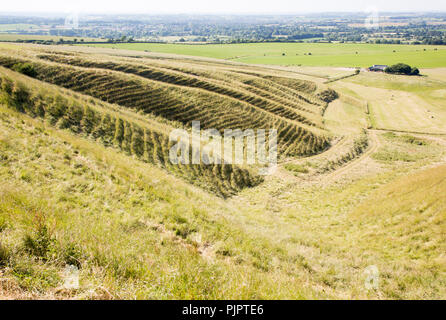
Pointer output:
293, 54
16, 26
86, 181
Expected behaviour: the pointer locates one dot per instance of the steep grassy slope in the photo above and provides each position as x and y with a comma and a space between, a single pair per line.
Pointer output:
286, 54
413, 207
231, 100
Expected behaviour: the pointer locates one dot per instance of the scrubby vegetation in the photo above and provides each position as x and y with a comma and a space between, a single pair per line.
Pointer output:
398, 152
266, 102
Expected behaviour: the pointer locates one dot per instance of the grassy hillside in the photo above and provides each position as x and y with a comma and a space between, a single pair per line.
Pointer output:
85, 182
322, 54
136, 232
24, 37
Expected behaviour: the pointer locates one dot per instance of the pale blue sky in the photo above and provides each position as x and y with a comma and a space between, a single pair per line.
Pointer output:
220, 6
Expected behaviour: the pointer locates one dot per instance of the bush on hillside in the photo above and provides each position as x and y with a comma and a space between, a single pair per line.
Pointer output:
14, 94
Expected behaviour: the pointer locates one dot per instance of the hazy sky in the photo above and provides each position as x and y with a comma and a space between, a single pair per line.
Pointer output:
220, 6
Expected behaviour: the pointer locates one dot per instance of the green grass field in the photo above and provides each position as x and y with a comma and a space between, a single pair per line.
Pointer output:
336, 55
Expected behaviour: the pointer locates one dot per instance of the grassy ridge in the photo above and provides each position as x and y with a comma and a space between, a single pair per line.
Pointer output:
322, 54
409, 222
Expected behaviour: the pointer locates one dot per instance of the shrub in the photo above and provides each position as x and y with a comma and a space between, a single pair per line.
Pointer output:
89, 121
119, 133
137, 145
56, 109
73, 255
127, 141
15, 95
3, 223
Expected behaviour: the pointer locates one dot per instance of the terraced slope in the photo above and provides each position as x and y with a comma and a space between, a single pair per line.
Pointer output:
224, 99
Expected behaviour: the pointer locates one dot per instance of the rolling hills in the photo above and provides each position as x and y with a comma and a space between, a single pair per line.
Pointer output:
302, 54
